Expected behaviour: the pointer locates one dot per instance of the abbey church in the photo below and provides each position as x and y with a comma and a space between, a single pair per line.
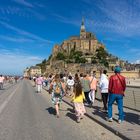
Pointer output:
86, 43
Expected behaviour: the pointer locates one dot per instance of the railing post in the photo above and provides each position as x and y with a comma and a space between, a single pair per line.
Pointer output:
134, 99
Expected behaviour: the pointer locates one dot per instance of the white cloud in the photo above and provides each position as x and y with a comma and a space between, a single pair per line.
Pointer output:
119, 17
16, 39
25, 33
15, 63
134, 50
137, 62
40, 5
66, 19
24, 12
35, 58
24, 3
15, 11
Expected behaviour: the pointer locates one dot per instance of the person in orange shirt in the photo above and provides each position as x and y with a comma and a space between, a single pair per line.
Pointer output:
93, 86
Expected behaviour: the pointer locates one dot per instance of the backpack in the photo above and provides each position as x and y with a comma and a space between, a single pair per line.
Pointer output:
57, 88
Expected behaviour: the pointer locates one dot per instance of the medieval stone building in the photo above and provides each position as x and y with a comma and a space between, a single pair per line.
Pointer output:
86, 42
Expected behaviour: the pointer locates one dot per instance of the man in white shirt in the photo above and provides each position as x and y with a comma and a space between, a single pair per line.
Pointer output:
70, 84
104, 82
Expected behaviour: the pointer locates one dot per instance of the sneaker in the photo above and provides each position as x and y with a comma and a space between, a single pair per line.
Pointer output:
57, 115
105, 111
110, 119
119, 121
86, 104
78, 120
90, 105
81, 117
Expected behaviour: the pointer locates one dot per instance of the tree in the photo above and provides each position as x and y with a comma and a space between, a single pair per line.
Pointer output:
100, 57
80, 59
50, 57
94, 60
76, 56
101, 53
60, 56
44, 61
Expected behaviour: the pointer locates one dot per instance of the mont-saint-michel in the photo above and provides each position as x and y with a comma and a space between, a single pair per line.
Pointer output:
83, 53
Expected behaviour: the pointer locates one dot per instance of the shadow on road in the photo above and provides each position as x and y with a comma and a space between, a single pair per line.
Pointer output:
99, 112
51, 110
131, 117
71, 110
71, 116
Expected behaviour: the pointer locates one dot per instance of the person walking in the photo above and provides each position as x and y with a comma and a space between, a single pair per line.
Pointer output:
70, 84
93, 87
117, 86
57, 93
76, 78
63, 84
39, 83
86, 89
103, 85
1, 81
78, 101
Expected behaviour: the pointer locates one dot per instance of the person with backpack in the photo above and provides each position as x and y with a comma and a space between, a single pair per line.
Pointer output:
78, 99
86, 89
57, 93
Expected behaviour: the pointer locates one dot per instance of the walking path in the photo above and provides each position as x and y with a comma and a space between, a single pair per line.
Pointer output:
128, 129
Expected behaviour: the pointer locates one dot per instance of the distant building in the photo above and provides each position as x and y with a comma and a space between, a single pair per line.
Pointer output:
26, 72
34, 71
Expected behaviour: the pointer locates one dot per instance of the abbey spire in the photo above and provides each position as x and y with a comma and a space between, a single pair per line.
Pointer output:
82, 30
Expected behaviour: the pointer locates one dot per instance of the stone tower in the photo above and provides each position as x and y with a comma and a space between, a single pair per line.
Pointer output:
82, 30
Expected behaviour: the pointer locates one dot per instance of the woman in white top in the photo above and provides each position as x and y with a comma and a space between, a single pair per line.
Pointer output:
104, 82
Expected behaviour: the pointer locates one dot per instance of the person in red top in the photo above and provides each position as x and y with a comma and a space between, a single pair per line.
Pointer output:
116, 89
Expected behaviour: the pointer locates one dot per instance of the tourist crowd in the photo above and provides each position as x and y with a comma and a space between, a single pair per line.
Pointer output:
82, 88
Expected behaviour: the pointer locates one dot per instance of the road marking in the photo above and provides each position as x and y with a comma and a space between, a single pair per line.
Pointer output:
7, 101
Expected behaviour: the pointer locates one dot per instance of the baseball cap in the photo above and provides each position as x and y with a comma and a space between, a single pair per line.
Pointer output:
117, 69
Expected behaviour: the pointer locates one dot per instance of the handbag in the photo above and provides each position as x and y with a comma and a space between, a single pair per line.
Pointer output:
120, 82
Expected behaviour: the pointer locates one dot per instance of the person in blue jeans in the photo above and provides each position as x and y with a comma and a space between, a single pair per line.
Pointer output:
116, 89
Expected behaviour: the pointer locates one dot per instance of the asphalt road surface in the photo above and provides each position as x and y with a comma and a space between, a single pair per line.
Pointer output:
27, 115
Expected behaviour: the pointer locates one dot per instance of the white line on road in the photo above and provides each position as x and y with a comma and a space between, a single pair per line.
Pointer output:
7, 101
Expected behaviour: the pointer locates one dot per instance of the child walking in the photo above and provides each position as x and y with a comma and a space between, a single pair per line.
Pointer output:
78, 101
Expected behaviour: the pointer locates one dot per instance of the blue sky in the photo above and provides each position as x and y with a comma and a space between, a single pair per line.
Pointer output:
30, 28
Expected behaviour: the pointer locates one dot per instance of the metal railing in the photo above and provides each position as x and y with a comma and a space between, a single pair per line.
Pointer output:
131, 98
